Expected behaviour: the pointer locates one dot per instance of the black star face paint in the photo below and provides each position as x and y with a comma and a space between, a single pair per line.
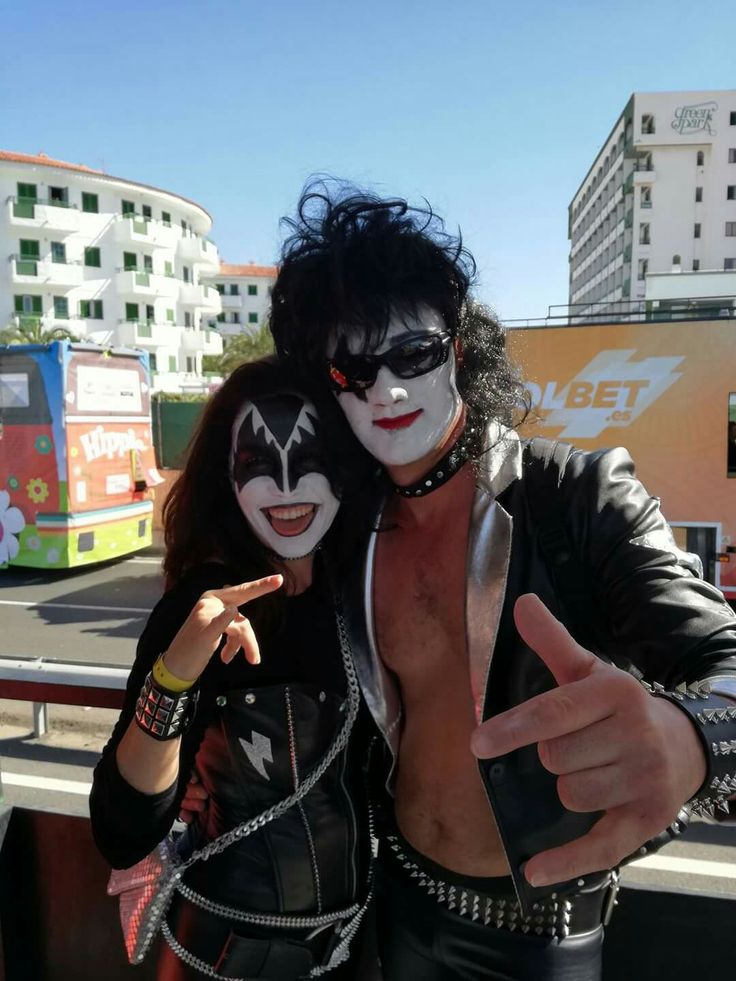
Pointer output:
279, 474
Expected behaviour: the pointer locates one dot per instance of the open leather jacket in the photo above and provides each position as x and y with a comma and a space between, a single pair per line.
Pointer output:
651, 614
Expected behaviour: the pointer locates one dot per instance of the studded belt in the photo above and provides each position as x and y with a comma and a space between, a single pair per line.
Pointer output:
554, 916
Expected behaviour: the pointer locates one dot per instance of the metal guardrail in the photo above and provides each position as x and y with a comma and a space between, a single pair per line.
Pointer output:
42, 681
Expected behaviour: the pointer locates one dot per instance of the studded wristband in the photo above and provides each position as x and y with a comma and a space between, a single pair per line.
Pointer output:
714, 717
164, 714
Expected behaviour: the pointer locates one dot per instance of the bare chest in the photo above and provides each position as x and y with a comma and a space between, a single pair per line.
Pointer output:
419, 602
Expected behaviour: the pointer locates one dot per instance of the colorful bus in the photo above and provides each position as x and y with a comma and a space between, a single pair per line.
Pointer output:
77, 464
665, 391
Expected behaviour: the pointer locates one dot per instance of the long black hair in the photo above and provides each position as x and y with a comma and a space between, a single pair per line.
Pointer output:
352, 258
202, 518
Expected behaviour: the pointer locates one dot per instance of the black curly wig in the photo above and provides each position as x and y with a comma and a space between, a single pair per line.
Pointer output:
352, 258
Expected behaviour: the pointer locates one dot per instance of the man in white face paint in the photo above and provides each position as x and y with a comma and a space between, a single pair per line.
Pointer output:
278, 472
402, 401
481, 695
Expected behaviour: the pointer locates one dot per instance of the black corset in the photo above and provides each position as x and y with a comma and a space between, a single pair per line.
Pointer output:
260, 746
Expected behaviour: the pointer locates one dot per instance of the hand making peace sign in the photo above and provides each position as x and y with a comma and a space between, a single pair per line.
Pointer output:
613, 746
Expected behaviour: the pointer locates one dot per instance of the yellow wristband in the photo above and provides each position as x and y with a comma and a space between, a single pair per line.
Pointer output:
165, 679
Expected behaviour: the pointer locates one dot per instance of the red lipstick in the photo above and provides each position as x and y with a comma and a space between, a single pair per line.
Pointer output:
398, 422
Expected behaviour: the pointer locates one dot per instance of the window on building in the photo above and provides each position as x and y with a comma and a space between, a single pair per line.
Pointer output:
27, 192
732, 155
696, 265
696, 230
234, 289
127, 207
172, 362
186, 274
698, 194
732, 118
187, 319
59, 196
92, 256
184, 228
647, 123
166, 218
170, 315
700, 159
58, 252
30, 248
252, 289
27, 260
191, 365
731, 192
130, 260
731, 229
132, 312
152, 362
642, 269
730, 263
220, 287
221, 318
90, 309
146, 211
236, 318
150, 314
252, 318
645, 197
61, 308
28, 304
676, 260
148, 263
90, 203
644, 233
168, 268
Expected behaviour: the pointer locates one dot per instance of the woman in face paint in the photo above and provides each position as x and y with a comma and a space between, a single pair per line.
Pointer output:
259, 494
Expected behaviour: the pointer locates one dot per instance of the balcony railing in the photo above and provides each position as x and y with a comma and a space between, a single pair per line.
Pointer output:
24, 266
26, 207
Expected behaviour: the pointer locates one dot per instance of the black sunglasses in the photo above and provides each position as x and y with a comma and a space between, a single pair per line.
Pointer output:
409, 359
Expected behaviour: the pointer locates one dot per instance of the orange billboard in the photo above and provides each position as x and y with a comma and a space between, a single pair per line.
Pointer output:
665, 391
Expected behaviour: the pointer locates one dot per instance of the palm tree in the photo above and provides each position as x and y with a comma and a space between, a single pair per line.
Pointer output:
239, 349
30, 330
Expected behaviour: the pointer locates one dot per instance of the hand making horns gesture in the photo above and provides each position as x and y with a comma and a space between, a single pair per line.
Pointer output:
613, 747
216, 614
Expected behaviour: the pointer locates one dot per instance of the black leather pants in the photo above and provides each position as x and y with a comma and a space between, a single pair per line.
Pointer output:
422, 940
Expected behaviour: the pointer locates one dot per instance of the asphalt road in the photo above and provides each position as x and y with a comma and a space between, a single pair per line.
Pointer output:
94, 616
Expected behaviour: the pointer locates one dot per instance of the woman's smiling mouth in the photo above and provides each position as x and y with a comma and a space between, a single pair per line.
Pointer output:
290, 520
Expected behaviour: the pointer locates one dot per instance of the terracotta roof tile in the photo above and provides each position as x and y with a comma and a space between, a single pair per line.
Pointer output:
228, 269
41, 158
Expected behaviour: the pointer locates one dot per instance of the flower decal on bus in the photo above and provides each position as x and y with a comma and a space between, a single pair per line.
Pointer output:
38, 490
12, 523
43, 444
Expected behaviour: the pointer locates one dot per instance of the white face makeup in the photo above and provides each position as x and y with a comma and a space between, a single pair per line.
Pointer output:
402, 420
278, 473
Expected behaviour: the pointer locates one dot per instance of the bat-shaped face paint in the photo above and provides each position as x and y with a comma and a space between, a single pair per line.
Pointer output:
279, 474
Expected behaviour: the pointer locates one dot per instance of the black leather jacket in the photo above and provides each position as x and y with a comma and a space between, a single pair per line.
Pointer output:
650, 607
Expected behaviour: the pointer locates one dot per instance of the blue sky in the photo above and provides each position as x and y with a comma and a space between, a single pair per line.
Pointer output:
491, 111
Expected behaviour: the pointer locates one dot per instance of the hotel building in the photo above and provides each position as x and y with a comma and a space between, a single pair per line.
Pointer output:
660, 197
112, 260
245, 294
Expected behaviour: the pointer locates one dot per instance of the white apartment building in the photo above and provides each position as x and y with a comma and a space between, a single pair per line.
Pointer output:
245, 294
660, 197
112, 260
